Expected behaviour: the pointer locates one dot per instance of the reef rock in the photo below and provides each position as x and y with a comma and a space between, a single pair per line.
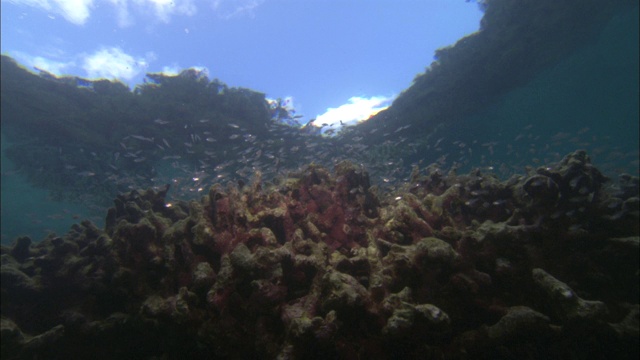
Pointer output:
321, 266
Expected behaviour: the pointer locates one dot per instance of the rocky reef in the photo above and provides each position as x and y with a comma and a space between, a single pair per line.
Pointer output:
322, 265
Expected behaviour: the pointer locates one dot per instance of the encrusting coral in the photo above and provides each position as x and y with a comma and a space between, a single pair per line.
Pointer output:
321, 266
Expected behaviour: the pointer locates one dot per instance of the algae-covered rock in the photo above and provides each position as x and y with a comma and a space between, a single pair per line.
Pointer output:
629, 326
242, 260
17, 282
342, 292
433, 252
283, 270
203, 276
519, 322
565, 302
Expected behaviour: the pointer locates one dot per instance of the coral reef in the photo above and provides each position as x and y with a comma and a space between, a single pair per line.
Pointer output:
320, 265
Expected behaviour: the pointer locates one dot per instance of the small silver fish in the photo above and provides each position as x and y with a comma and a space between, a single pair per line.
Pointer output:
140, 137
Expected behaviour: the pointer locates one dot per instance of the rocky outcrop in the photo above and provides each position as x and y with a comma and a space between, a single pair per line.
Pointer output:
322, 266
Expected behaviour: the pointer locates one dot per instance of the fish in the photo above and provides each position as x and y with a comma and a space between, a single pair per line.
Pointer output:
140, 137
402, 128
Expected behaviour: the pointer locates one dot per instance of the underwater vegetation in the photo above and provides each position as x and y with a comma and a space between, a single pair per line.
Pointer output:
322, 266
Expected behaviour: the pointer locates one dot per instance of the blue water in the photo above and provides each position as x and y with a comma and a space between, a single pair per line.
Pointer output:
30, 211
587, 101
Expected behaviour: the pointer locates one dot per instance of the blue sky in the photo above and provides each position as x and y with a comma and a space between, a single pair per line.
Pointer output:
336, 59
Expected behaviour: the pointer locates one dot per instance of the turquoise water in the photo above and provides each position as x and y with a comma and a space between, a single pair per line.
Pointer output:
30, 211
587, 101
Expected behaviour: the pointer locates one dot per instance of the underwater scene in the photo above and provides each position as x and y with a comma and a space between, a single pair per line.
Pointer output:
490, 211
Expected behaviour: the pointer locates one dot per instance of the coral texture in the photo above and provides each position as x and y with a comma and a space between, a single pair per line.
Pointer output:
320, 265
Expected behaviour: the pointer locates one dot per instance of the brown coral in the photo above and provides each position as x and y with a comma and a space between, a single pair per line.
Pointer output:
320, 266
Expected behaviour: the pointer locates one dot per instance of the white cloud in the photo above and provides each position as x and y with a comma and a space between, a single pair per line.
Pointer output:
113, 63
171, 70
43, 4
227, 9
122, 12
356, 110
108, 62
165, 8
175, 69
40, 63
79, 11
47, 65
74, 11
